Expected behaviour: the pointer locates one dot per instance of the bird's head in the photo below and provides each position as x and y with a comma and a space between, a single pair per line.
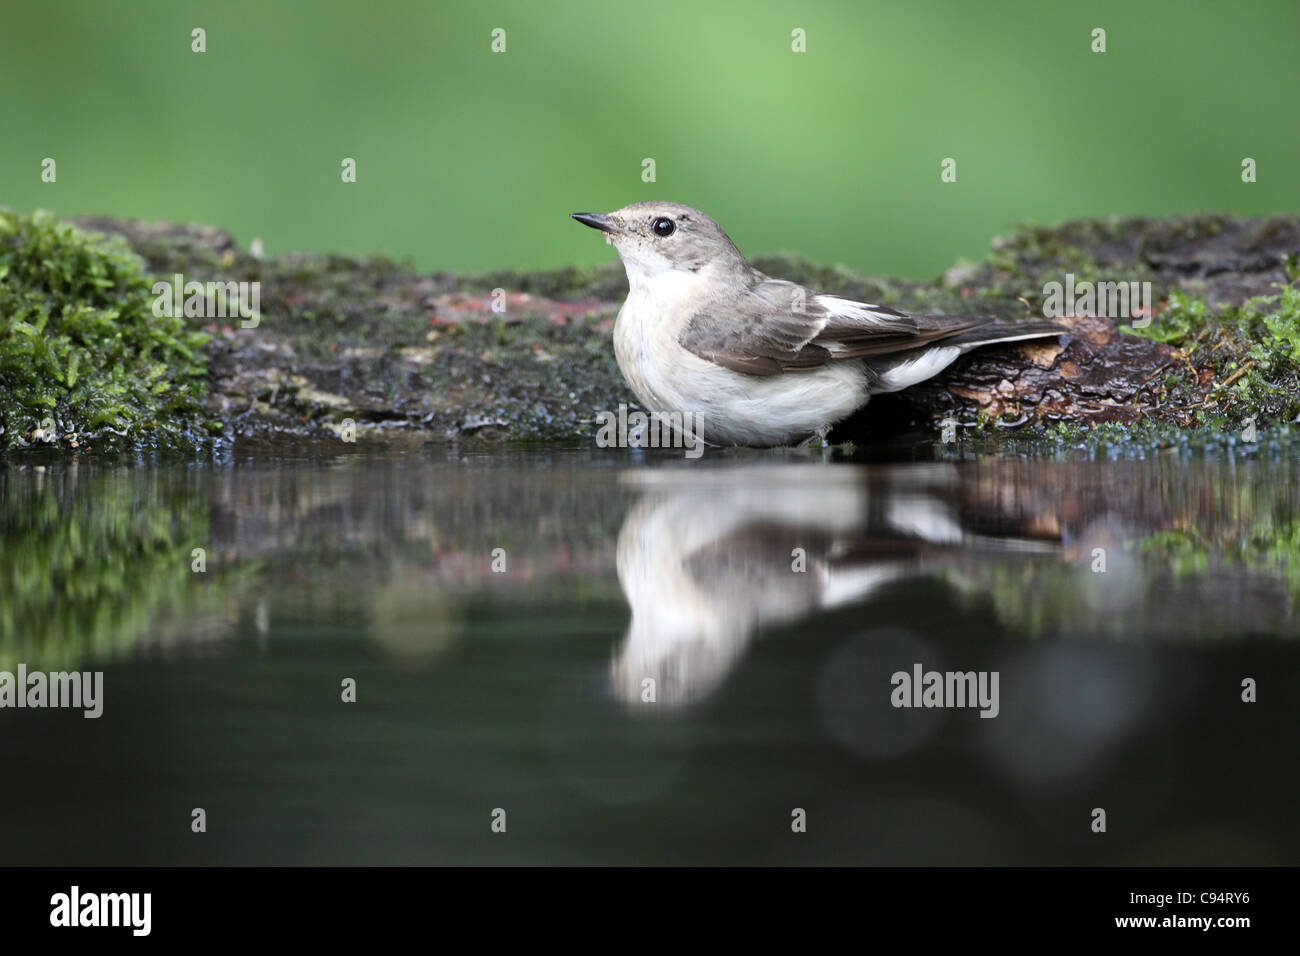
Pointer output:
658, 238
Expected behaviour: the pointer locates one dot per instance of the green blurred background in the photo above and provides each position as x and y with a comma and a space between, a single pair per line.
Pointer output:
469, 161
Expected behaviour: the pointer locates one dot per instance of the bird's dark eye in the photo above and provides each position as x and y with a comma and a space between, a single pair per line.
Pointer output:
663, 226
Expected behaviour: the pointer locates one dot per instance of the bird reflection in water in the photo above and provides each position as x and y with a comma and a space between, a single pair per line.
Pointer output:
707, 560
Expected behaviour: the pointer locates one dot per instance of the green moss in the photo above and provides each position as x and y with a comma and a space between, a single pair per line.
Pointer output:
1271, 322
1024, 264
1252, 350
1280, 317
1182, 317
81, 352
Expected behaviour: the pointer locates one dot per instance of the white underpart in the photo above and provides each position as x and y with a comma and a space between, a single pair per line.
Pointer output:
735, 409
908, 373
777, 409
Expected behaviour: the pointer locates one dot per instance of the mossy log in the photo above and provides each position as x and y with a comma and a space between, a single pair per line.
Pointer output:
401, 356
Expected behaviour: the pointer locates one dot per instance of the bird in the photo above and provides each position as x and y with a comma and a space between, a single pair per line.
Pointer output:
706, 341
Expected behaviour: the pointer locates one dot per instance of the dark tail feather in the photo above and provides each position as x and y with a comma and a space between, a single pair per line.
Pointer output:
994, 331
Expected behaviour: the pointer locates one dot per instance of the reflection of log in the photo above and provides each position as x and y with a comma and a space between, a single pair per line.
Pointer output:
422, 356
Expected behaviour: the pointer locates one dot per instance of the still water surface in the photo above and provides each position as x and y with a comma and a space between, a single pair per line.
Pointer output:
764, 602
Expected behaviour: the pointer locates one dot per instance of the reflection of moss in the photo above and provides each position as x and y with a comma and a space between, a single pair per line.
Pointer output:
1042, 598
92, 562
1185, 554
1265, 545
80, 347
1031, 598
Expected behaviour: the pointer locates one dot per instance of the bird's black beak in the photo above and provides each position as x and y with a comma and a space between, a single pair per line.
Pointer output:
597, 220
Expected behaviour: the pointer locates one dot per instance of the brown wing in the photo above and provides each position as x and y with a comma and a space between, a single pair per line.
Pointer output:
778, 326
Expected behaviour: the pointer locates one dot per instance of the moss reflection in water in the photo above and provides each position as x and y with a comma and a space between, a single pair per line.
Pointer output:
1266, 547
92, 563
1197, 551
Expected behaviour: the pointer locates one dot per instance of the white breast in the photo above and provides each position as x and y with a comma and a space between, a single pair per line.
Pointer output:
735, 408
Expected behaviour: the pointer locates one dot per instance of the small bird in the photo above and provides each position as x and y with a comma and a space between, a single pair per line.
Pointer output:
706, 338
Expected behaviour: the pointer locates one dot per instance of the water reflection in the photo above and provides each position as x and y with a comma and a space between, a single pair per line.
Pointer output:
708, 561
1144, 550
98, 561
1121, 602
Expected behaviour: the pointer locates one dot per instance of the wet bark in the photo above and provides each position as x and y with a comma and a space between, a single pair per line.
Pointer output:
418, 357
